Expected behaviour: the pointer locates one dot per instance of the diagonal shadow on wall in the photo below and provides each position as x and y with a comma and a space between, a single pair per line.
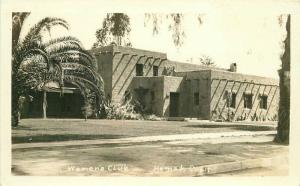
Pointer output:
257, 103
271, 101
130, 73
268, 96
119, 77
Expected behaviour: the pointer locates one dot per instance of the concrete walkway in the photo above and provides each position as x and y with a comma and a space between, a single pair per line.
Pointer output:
143, 139
224, 123
272, 163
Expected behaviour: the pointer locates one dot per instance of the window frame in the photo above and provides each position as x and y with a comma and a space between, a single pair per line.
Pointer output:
155, 70
231, 105
139, 69
248, 103
263, 102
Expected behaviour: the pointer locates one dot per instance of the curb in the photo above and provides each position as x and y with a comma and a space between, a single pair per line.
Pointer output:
141, 139
224, 167
242, 123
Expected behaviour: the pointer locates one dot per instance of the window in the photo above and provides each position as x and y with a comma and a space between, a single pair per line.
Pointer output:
155, 70
139, 69
232, 100
152, 96
196, 98
248, 101
263, 102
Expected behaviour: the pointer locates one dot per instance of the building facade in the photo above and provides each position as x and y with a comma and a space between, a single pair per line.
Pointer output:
172, 89
165, 88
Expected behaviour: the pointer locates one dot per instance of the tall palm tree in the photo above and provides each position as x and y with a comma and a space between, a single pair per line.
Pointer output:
35, 63
283, 129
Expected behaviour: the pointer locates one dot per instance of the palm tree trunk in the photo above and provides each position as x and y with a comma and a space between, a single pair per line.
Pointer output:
45, 105
284, 112
14, 102
14, 109
283, 129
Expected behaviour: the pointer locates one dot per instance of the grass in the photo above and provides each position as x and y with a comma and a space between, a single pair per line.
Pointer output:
50, 130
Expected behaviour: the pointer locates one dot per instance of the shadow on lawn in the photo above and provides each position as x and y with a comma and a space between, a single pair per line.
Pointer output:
117, 158
17, 171
25, 128
82, 147
236, 127
62, 137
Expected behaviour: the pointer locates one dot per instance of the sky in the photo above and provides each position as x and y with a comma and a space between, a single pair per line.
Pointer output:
252, 41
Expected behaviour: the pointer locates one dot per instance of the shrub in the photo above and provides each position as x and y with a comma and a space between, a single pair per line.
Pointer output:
152, 117
121, 111
87, 110
216, 116
130, 109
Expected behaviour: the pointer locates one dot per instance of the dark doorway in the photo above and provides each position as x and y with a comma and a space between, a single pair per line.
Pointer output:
67, 105
174, 104
140, 96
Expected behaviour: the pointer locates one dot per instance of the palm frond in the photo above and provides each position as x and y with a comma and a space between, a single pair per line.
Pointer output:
75, 55
80, 86
62, 40
34, 33
88, 83
85, 73
70, 58
37, 51
22, 50
81, 70
32, 72
63, 44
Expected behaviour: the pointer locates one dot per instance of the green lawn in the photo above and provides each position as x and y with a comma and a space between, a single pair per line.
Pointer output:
39, 130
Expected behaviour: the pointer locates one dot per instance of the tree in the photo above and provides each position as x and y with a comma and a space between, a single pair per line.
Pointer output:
115, 28
174, 22
283, 128
36, 63
207, 61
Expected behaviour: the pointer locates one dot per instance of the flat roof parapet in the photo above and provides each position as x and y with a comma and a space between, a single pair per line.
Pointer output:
128, 50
